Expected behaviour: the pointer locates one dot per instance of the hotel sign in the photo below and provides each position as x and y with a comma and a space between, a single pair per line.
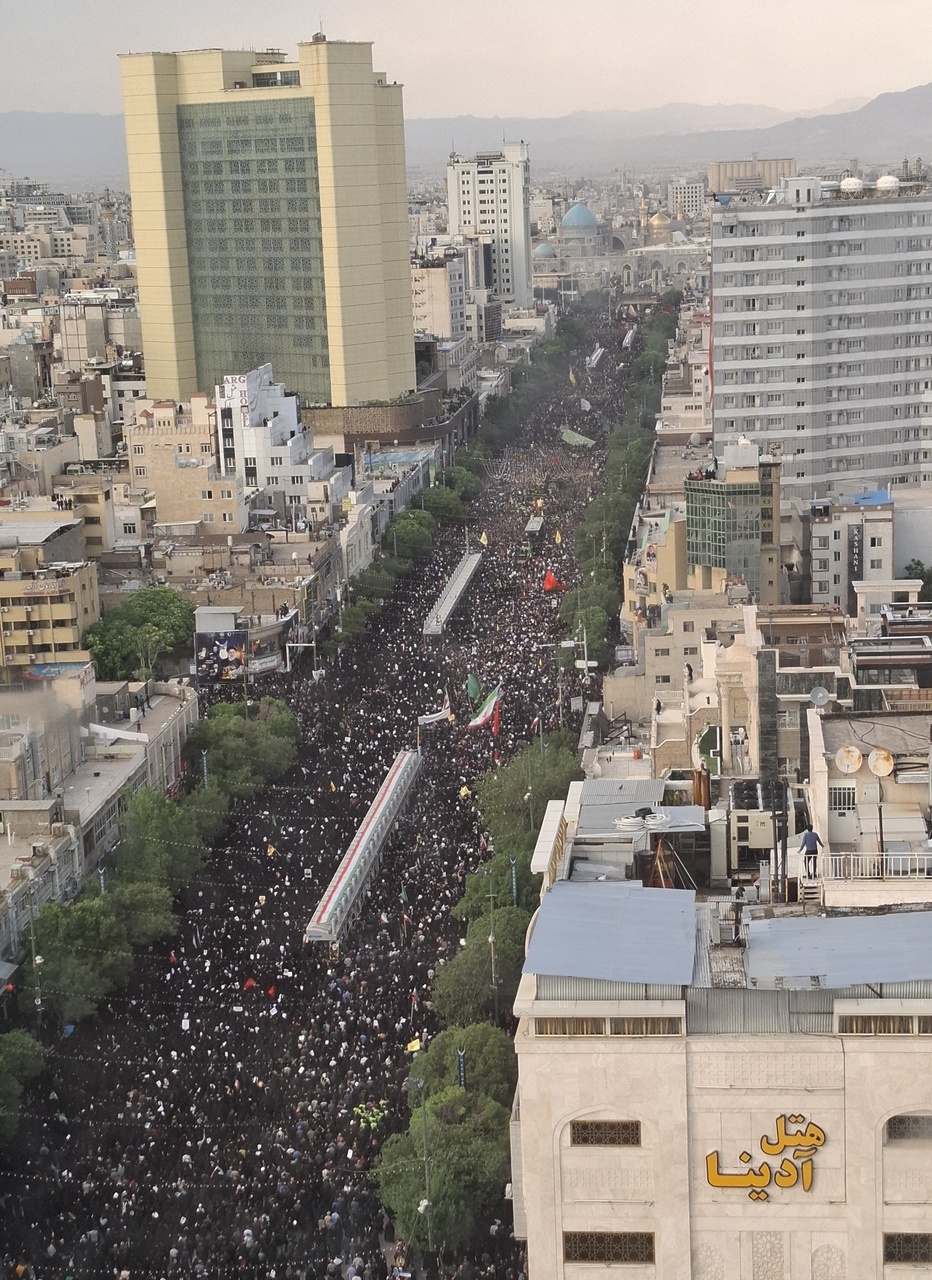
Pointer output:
795, 1145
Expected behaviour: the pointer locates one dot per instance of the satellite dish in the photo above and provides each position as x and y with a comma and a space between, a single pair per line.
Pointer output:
819, 696
848, 759
695, 439
880, 763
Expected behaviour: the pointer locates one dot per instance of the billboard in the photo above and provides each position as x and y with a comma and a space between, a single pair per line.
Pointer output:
220, 655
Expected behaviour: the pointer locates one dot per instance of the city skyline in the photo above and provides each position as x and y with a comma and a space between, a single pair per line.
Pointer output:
818, 54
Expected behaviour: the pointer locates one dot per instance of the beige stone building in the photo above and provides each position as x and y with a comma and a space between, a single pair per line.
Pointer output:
270, 220
173, 451
688, 1109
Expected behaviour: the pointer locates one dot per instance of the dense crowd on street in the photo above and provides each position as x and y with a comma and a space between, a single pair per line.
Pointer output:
222, 1115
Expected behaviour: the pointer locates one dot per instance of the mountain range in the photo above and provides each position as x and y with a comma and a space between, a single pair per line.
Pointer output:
81, 151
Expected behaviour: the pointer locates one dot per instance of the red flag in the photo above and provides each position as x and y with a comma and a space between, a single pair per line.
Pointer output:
272, 992
552, 583
496, 719
249, 984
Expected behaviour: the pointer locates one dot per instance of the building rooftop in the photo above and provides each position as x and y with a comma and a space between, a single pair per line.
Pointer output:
35, 532
601, 930
905, 734
619, 932
800, 952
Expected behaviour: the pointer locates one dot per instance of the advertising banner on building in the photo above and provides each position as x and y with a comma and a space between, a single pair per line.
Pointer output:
220, 655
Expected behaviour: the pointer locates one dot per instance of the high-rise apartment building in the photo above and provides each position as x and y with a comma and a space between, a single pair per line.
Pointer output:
685, 199
270, 220
490, 196
822, 325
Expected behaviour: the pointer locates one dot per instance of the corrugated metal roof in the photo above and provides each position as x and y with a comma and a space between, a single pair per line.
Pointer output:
797, 951
620, 932
736, 1012
637, 791
554, 987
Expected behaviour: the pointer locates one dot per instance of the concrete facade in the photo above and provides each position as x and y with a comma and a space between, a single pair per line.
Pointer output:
174, 451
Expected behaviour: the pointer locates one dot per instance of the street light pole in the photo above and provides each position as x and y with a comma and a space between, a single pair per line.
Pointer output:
415, 1083
430, 1228
36, 960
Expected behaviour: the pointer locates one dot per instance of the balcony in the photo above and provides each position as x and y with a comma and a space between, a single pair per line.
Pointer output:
875, 866
870, 880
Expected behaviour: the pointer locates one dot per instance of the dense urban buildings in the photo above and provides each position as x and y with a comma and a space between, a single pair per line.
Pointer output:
270, 220
723, 1019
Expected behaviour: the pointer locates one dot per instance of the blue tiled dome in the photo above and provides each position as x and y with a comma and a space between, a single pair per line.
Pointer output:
580, 218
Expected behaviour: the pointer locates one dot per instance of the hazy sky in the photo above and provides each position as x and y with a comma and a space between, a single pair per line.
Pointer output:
498, 57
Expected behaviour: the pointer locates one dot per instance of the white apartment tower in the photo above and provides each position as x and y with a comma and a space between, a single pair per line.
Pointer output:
685, 199
490, 196
822, 331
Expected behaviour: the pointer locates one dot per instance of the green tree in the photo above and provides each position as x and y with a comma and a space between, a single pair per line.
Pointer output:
491, 1065
917, 569
464, 480
208, 807
512, 799
495, 876
246, 746
85, 955
443, 504
20, 1060
145, 910
129, 639
408, 537
160, 845
462, 992
467, 1151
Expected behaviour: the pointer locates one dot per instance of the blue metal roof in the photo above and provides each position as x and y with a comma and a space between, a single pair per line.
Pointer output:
843, 952
620, 932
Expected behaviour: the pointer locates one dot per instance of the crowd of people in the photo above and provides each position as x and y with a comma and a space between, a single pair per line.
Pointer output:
222, 1115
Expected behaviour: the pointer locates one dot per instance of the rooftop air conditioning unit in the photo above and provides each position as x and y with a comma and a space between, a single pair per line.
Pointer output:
32, 657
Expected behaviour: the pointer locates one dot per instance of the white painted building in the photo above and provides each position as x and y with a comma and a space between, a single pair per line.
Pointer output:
850, 542
489, 195
263, 441
688, 1109
822, 306
685, 199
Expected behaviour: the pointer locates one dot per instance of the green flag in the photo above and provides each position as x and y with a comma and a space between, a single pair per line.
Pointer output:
473, 688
